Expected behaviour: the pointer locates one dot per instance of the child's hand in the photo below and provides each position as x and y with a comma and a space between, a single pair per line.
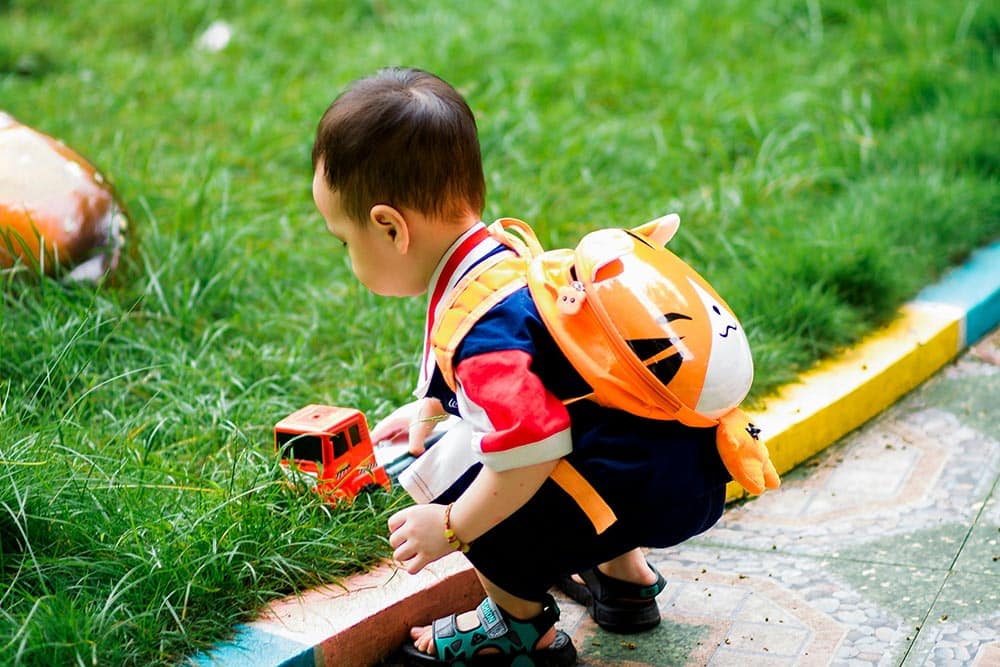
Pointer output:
411, 423
395, 427
429, 413
417, 535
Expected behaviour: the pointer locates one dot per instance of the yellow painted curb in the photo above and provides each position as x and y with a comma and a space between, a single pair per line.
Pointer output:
842, 393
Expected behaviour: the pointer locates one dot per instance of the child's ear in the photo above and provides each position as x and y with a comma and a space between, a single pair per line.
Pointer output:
390, 223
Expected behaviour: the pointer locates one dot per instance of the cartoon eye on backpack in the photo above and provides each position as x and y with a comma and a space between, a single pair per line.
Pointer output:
646, 332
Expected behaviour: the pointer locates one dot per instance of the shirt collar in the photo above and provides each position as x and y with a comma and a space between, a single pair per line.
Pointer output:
468, 250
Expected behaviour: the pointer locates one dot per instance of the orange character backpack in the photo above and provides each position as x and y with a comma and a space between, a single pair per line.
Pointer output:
647, 333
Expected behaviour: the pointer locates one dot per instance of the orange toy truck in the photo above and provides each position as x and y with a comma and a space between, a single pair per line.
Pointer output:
332, 445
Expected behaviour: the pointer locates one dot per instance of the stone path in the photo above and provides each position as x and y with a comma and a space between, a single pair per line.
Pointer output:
882, 550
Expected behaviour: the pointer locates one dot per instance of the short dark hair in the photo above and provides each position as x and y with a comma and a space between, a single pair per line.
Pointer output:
402, 137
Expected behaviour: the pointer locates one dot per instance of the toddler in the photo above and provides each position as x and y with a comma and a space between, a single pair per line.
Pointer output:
399, 180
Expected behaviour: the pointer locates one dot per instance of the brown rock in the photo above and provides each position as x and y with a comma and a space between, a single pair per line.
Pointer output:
53, 198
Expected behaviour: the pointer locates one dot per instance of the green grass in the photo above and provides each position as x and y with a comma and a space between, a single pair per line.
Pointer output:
828, 159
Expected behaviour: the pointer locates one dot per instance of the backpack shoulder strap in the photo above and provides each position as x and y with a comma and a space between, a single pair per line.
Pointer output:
518, 236
484, 286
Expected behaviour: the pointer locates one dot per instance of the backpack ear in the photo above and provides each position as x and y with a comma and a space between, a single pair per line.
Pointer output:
660, 231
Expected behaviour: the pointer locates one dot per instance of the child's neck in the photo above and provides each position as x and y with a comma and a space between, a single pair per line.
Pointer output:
439, 234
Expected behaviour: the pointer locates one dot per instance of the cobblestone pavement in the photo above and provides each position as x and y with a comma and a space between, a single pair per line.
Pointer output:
882, 550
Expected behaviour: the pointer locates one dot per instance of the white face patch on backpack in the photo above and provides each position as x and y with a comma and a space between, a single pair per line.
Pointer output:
730, 369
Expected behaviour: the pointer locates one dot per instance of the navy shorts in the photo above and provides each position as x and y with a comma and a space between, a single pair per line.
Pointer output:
664, 481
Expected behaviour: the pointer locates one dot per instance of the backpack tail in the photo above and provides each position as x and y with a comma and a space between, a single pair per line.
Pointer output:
744, 454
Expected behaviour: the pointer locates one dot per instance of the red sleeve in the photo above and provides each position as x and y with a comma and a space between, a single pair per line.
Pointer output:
517, 421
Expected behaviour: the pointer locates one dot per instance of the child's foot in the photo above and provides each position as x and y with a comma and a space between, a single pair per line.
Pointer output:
423, 636
473, 637
641, 574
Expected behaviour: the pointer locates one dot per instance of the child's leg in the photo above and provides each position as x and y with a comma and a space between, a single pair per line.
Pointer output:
631, 567
423, 638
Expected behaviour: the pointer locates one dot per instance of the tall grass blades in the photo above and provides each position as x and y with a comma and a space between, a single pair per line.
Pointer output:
828, 158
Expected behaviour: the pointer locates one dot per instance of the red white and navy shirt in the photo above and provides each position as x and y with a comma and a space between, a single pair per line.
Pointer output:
502, 375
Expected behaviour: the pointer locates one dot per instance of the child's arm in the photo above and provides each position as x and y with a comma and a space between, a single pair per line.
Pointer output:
417, 533
518, 420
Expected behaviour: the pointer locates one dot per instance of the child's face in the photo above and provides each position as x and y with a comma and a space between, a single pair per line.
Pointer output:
375, 260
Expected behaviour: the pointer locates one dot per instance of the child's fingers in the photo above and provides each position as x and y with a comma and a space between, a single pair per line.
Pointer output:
430, 413
398, 519
396, 538
403, 553
417, 536
404, 550
416, 437
396, 425
394, 428
409, 557
413, 564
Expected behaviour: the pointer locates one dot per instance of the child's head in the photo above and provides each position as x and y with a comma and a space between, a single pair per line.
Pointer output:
404, 138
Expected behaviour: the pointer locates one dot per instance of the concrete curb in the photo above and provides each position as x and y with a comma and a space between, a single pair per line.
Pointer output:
365, 620
352, 625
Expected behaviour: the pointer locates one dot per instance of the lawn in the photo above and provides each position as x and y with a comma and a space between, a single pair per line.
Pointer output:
827, 158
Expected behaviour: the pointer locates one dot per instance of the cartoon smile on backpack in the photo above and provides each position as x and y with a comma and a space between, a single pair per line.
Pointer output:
644, 326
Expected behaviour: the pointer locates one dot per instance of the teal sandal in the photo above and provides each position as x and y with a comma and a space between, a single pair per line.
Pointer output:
497, 630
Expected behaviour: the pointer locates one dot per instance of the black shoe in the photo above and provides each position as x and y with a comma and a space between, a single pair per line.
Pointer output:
616, 605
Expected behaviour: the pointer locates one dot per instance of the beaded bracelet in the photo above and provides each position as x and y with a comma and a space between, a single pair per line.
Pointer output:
433, 419
449, 532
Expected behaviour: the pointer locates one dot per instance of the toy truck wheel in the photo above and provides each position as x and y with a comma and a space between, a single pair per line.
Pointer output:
371, 487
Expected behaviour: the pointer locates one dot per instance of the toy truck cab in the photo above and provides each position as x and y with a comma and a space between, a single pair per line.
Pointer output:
333, 446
